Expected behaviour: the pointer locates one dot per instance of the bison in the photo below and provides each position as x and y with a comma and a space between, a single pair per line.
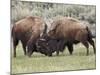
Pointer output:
27, 30
68, 31
72, 31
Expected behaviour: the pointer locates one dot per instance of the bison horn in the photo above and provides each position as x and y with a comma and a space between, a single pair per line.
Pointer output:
43, 39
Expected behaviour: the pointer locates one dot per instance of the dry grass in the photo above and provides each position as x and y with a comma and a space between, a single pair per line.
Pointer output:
63, 62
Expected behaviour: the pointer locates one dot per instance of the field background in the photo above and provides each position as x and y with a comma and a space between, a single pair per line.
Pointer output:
64, 62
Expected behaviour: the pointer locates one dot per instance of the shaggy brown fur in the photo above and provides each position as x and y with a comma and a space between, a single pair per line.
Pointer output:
71, 30
25, 30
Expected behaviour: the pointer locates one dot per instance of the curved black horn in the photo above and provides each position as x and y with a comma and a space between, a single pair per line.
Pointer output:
45, 29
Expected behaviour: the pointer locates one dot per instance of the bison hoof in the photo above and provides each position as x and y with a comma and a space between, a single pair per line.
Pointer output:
71, 53
87, 54
45, 54
50, 55
29, 55
57, 53
14, 56
94, 52
25, 54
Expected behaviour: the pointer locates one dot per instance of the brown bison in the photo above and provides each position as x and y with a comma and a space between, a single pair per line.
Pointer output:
69, 31
27, 30
72, 31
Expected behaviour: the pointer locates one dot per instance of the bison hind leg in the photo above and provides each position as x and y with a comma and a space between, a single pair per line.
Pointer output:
24, 48
15, 43
70, 48
92, 43
85, 43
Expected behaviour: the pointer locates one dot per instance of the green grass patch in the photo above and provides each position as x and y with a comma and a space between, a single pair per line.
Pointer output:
64, 62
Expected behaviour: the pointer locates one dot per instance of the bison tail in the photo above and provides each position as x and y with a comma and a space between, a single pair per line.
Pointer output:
12, 30
90, 35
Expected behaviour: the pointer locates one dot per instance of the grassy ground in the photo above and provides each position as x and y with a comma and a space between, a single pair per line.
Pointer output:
64, 62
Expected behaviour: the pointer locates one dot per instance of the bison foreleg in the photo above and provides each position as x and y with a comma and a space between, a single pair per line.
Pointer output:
30, 48
70, 48
24, 48
57, 52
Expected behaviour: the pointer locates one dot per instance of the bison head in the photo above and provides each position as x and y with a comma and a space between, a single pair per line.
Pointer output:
42, 46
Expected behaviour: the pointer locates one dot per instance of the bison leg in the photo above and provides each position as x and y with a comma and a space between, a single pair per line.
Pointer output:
30, 47
60, 46
30, 53
24, 48
30, 50
92, 43
70, 48
15, 43
87, 46
57, 52
50, 55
